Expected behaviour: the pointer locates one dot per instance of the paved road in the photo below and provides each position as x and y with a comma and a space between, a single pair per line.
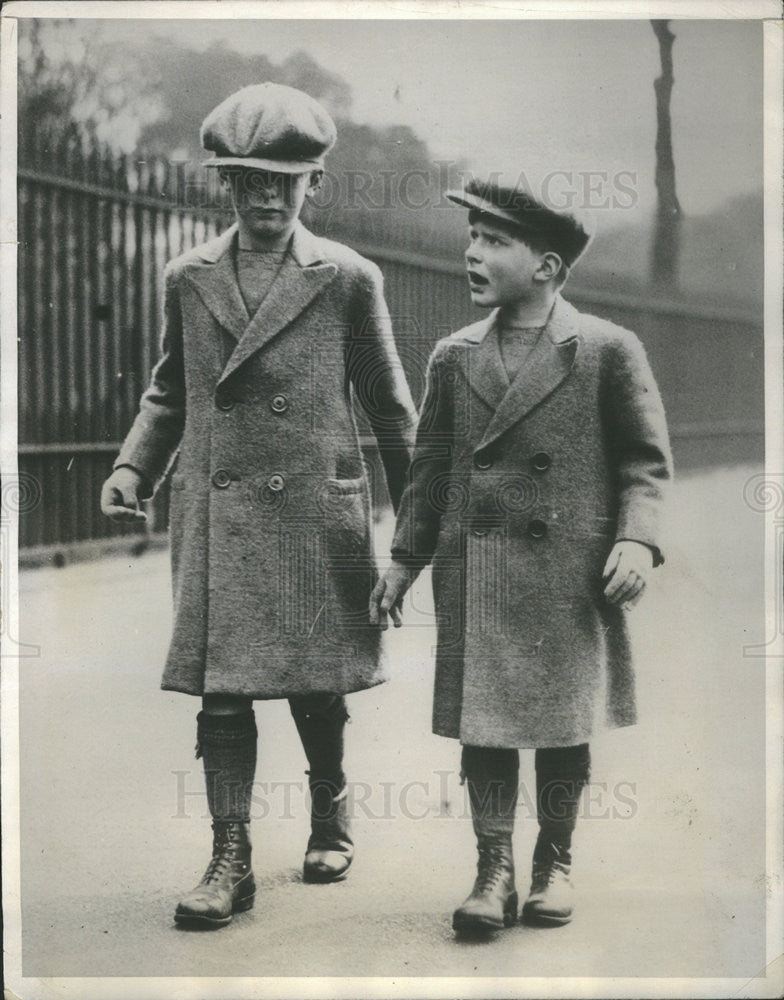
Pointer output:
669, 857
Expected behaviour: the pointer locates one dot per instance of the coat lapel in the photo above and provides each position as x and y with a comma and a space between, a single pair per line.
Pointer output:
300, 279
302, 276
545, 368
216, 282
485, 369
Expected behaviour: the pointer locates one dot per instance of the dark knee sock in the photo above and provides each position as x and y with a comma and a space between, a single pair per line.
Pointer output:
321, 721
492, 777
227, 745
561, 775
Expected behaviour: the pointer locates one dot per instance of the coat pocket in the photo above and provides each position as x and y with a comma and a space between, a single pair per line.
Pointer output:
349, 552
345, 504
346, 486
342, 496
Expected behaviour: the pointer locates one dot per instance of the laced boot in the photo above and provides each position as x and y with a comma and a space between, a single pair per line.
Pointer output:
228, 746
550, 900
321, 721
493, 900
228, 885
491, 775
561, 774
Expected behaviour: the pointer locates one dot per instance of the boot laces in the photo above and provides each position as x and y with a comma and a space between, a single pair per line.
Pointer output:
491, 868
222, 859
547, 872
217, 868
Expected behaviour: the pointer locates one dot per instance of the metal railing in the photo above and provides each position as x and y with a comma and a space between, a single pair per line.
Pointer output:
95, 232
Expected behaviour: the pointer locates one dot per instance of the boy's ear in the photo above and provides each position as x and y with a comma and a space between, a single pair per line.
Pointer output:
314, 182
550, 266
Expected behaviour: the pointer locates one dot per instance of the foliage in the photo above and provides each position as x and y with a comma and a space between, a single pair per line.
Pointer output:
153, 96
66, 76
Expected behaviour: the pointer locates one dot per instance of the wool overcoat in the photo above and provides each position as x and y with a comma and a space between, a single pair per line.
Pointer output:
517, 494
270, 524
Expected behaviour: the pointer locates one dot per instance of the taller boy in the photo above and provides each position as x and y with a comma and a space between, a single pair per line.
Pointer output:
536, 491
269, 332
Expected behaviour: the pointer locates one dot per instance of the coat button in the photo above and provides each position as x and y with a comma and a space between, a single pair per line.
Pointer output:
541, 461
276, 483
279, 404
224, 400
537, 529
221, 479
482, 462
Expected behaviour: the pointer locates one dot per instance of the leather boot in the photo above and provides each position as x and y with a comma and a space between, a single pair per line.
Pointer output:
228, 885
227, 745
330, 849
491, 775
549, 901
561, 774
493, 900
320, 721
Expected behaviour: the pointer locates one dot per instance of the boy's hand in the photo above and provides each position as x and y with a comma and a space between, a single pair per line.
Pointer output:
120, 495
625, 573
388, 594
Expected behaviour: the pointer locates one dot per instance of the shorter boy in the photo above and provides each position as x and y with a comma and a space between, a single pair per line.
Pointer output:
536, 492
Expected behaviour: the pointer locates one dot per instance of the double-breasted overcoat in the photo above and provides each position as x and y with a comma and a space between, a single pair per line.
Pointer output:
517, 493
270, 526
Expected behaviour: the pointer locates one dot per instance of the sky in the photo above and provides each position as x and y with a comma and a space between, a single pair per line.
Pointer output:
537, 96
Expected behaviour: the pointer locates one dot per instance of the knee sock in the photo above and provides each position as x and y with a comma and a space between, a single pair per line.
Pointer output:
491, 775
561, 775
227, 745
321, 721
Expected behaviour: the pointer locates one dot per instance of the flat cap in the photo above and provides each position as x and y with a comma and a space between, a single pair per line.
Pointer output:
269, 127
566, 231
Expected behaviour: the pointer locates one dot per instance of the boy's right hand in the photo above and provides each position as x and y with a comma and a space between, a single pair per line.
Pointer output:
120, 495
388, 594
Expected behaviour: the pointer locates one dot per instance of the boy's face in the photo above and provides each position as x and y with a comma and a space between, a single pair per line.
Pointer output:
501, 267
268, 203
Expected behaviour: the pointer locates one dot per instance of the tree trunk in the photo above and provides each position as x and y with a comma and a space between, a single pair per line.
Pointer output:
667, 235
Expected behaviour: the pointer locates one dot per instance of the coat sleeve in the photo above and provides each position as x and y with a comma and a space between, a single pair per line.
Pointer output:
155, 435
636, 431
379, 382
428, 488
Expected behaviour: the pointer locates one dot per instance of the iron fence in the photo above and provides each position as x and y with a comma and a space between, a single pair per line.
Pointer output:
95, 232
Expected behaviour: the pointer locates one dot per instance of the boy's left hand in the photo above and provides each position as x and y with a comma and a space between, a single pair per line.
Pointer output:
626, 571
388, 594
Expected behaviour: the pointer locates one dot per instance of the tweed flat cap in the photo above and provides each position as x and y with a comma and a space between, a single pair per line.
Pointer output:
567, 232
269, 127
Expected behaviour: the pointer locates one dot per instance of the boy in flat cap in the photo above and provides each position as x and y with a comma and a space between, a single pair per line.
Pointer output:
269, 334
535, 491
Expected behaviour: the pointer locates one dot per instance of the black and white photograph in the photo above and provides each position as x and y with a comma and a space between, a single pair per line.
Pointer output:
392, 528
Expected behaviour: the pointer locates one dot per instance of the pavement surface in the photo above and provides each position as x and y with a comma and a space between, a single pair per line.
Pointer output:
669, 853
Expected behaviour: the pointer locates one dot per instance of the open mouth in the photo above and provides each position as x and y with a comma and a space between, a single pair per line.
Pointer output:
475, 278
